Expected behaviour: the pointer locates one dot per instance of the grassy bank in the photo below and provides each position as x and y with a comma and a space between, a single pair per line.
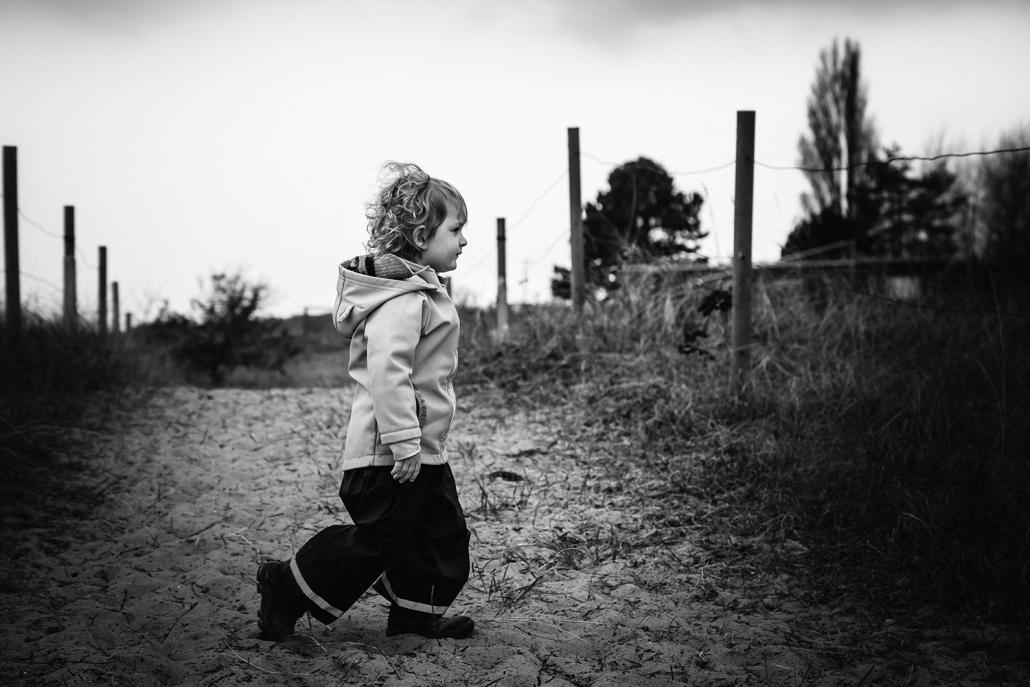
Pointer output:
884, 441
49, 374
888, 439
54, 388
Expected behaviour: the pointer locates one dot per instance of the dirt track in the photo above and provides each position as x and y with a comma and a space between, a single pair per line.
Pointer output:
146, 577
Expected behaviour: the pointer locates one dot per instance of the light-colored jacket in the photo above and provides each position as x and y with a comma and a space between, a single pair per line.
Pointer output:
403, 335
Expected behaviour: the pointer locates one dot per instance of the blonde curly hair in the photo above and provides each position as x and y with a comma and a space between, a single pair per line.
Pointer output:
407, 199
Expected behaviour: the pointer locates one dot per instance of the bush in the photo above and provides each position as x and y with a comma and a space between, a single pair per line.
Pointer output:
225, 333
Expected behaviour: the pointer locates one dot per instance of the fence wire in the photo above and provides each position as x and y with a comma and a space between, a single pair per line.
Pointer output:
549, 188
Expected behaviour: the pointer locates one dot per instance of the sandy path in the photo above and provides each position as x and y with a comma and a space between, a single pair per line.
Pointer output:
574, 582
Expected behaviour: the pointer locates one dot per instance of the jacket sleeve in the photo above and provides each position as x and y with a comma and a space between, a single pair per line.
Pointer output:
393, 331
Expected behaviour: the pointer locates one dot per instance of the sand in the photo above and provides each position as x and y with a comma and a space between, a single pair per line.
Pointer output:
140, 569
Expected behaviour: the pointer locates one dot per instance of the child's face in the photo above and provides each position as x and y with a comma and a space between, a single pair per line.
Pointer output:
441, 252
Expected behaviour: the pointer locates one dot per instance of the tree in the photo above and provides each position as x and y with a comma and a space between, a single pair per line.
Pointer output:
641, 217
863, 199
841, 139
894, 213
1004, 205
907, 215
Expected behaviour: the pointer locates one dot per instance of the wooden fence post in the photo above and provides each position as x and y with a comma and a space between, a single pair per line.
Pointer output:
576, 277
71, 314
115, 313
11, 261
502, 281
102, 293
742, 217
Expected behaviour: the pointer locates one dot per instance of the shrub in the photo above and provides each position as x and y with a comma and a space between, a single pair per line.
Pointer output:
225, 332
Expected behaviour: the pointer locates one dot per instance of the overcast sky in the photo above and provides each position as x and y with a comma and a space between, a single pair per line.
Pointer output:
202, 135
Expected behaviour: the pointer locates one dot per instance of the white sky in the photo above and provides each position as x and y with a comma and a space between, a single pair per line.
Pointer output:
205, 135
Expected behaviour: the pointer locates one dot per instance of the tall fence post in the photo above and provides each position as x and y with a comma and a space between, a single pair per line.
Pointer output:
11, 262
502, 281
576, 278
115, 312
70, 311
102, 293
742, 217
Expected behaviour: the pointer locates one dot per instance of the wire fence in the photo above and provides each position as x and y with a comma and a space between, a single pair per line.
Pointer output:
481, 264
923, 284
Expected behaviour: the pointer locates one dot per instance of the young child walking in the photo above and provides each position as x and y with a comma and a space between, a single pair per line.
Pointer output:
409, 541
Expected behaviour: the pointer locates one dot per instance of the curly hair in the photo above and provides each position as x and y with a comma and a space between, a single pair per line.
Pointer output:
407, 199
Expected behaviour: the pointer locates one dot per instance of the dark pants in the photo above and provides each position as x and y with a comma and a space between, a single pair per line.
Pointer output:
408, 540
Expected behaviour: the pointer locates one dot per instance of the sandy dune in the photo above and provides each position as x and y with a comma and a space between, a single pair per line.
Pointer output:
145, 575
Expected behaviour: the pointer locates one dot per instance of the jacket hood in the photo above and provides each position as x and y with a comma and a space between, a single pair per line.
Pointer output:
365, 282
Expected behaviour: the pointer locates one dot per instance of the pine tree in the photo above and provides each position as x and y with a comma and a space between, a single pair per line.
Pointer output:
642, 217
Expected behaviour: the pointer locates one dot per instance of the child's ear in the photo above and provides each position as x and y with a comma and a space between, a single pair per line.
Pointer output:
421, 236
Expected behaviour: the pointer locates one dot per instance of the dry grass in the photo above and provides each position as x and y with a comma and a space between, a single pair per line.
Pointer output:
888, 437
48, 377
873, 478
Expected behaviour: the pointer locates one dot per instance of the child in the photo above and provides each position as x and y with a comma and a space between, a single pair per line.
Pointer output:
409, 540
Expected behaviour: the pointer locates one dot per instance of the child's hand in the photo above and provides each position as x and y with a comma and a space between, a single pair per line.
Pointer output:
407, 470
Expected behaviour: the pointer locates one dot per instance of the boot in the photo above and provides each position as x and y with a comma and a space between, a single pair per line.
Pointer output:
404, 621
278, 614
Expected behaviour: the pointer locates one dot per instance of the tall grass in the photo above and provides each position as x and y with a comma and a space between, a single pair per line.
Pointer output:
906, 427
52, 383
891, 438
47, 370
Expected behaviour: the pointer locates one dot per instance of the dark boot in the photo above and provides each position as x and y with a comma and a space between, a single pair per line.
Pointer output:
404, 621
279, 611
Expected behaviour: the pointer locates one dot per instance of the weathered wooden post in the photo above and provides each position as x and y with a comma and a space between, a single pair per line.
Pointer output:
502, 281
576, 223
115, 315
742, 217
11, 261
102, 293
70, 308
